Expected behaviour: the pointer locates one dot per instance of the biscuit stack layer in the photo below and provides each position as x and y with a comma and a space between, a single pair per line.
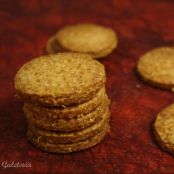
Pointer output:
66, 104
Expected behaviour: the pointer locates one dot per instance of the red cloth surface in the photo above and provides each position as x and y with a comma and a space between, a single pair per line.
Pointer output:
130, 147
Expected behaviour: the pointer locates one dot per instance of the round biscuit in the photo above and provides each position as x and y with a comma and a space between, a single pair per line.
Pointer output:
87, 38
164, 128
156, 67
60, 79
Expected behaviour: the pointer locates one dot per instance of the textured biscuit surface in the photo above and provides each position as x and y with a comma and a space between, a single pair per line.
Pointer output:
61, 79
75, 136
71, 147
87, 38
164, 128
44, 113
68, 125
156, 67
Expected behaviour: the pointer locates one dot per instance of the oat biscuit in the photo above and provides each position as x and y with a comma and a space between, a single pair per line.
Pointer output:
156, 67
61, 79
67, 125
93, 39
54, 47
70, 137
164, 128
43, 113
71, 147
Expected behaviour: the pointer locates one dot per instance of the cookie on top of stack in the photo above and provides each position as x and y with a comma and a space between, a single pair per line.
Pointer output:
66, 104
96, 40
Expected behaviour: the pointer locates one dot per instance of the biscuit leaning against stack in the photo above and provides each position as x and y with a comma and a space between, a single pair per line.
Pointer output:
96, 40
66, 104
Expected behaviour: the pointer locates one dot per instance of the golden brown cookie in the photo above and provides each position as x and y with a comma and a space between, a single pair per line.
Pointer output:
75, 136
43, 113
71, 147
68, 125
53, 47
164, 128
156, 67
92, 39
61, 79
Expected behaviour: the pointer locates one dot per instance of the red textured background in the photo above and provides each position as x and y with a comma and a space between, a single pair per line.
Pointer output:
130, 147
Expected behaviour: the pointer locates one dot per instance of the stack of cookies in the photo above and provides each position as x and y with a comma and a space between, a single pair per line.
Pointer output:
66, 104
92, 39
